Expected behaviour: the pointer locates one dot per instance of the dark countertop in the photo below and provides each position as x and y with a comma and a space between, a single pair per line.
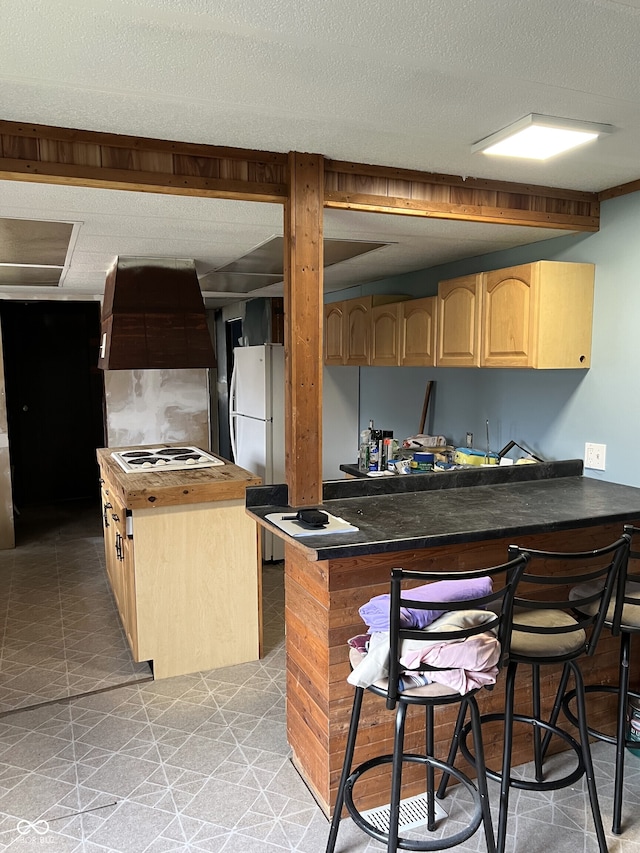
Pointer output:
417, 511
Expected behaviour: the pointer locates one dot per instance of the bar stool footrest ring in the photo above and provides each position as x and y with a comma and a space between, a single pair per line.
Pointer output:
593, 688
596, 733
525, 784
405, 843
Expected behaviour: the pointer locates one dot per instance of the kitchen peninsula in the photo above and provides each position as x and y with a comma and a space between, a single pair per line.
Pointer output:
460, 520
183, 561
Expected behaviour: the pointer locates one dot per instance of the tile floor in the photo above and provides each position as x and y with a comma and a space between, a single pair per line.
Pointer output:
97, 758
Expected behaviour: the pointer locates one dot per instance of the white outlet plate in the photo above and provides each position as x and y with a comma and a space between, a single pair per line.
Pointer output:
594, 456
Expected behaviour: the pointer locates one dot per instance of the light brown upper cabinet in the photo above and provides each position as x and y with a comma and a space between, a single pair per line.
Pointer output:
385, 334
459, 302
535, 315
357, 330
538, 315
418, 332
348, 329
334, 333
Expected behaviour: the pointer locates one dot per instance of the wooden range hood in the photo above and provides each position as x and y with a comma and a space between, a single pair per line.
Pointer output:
153, 316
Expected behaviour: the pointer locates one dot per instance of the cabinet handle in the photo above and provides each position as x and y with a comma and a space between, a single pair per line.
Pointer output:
115, 517
106, 507
119, 547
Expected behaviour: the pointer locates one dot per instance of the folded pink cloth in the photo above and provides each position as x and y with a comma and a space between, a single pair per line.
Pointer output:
463, 666
375, 613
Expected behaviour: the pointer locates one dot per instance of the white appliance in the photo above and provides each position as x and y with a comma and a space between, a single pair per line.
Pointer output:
164, 459
256, 420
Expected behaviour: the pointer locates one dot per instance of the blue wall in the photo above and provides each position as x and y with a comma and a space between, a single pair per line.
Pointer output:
551, 412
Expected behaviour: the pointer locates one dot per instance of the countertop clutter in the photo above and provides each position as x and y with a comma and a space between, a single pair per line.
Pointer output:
426, 510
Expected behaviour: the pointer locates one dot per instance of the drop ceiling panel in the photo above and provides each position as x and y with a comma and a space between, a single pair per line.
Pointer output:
25, 241
231, 282
28, 276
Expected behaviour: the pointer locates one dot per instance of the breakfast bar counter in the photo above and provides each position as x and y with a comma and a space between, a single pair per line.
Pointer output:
455, 520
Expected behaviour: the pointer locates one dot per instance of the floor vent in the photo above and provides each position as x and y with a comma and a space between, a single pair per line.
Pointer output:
413, 813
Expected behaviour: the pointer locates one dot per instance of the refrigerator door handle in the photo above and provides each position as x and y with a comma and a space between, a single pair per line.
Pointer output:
232, 406
232, 436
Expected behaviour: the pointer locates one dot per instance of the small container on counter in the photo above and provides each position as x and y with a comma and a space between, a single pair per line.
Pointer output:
389, 451
421, 462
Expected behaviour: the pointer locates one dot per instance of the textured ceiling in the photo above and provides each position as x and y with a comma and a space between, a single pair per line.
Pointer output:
411, 83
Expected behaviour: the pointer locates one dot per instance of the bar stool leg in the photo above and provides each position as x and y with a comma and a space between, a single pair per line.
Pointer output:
537, 747
346, 767
429, 741
453, 749
506, 755
481, 770
557, 707
396, 778
586, 756
623, 695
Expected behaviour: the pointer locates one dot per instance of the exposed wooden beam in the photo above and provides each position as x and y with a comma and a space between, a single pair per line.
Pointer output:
303, 183
86, 158
356, 186
621, 189
303, 295
33, 152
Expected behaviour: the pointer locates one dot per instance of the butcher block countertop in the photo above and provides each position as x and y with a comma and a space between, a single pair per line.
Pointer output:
171, 488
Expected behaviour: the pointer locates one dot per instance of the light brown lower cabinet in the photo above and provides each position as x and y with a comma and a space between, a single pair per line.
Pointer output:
186, 582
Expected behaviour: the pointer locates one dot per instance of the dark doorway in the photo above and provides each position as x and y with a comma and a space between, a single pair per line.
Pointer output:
54, 399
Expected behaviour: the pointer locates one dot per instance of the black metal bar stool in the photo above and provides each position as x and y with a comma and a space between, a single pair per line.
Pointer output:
623, 619
496, 607
553, 623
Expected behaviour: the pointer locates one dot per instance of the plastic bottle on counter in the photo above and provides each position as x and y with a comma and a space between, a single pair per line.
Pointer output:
363, 456
375, 443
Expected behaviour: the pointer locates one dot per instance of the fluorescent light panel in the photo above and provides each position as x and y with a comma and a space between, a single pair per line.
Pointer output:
539, 137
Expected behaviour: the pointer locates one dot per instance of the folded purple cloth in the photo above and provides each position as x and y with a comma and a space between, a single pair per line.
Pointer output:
375, 613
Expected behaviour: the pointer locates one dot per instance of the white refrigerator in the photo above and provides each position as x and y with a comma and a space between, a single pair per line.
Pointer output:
256, 420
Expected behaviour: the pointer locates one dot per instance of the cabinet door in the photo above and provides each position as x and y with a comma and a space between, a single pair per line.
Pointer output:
418, 332
508, 308
117, 583
334, 333
385, 334
108, 530
357, 326
459, 304
129, 610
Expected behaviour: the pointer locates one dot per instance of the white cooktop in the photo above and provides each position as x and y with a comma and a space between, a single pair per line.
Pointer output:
164, 459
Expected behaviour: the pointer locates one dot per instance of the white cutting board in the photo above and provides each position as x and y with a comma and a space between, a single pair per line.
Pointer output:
296, 528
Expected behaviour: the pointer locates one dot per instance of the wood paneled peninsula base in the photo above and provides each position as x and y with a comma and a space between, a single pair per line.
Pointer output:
459, 520
183, 560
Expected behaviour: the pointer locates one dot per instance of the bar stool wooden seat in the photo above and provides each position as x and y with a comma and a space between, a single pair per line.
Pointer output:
496, 607
553, 623
623, 619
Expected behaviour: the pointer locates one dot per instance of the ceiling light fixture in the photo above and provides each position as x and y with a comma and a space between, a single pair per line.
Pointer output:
539, 137
34, 266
